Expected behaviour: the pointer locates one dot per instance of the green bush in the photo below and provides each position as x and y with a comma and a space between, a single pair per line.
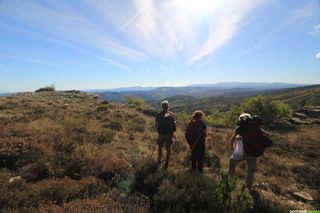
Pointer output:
46, 89
140, 105
268, 109
114, 125
182, 118
138, 102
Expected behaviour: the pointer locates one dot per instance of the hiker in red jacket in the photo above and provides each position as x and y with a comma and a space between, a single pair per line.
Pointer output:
196, 135
166, 126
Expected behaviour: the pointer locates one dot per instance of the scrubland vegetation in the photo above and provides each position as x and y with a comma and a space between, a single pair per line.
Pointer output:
72, 152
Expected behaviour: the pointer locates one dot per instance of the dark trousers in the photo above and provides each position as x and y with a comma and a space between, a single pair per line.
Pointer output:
197, 158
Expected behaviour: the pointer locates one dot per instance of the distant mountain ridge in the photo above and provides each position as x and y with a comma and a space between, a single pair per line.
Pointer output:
5, 94
255, 85
227, 89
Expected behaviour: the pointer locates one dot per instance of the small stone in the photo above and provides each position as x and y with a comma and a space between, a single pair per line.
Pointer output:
304, 195
14, 179
264, 186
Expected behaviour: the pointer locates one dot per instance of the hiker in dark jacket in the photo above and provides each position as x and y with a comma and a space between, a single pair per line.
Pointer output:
196, 135
253, 142
166, 126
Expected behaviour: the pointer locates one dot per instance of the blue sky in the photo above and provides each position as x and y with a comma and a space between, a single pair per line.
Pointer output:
90, 44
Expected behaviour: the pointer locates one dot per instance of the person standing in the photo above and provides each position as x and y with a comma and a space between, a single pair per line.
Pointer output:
196, 135
166, 126
253, 140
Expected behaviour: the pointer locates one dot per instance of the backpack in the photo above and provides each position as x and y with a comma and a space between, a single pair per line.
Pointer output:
254, 142
166, 123
193, 131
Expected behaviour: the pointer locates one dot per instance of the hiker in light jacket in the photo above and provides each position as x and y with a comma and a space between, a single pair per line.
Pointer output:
196, 135
253, 141
166, 126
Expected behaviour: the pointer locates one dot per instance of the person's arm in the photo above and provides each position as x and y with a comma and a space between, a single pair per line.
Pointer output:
265, 133
232, 139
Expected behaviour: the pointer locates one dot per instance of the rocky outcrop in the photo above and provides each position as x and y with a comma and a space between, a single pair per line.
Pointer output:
308, 115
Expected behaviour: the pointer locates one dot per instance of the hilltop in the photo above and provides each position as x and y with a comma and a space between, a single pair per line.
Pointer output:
72, 151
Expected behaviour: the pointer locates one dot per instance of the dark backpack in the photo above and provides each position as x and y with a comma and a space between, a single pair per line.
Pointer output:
254, 142
166, 124
193, 131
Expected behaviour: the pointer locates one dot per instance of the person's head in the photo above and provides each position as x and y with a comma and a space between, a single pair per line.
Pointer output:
244, 116
198, 114
244, 119
165, 105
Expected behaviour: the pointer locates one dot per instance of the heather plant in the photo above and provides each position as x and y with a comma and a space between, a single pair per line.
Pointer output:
56, 191
16, 152
106, 136
190, 192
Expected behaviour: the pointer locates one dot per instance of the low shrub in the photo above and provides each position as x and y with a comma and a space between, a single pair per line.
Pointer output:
16, 152
148, 179
46, 89
134, 203
137, 125
102, 108
114, 125
191, 192
55, 191
212, 160
106, 136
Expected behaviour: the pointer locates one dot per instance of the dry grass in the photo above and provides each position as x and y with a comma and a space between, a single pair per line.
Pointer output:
69, 140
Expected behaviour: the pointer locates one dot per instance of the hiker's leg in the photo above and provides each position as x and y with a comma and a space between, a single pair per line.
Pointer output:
251, 169
160, 145
168, 154
232, 166
168, 144
200, 161
200, 157
194, 160
159, 154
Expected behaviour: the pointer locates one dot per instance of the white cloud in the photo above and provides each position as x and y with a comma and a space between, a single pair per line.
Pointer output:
226, 26
317, 55
316, 31
114, 31
66, 23
162, 29
110, 61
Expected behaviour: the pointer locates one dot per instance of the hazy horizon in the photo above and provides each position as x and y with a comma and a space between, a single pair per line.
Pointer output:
155, 86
